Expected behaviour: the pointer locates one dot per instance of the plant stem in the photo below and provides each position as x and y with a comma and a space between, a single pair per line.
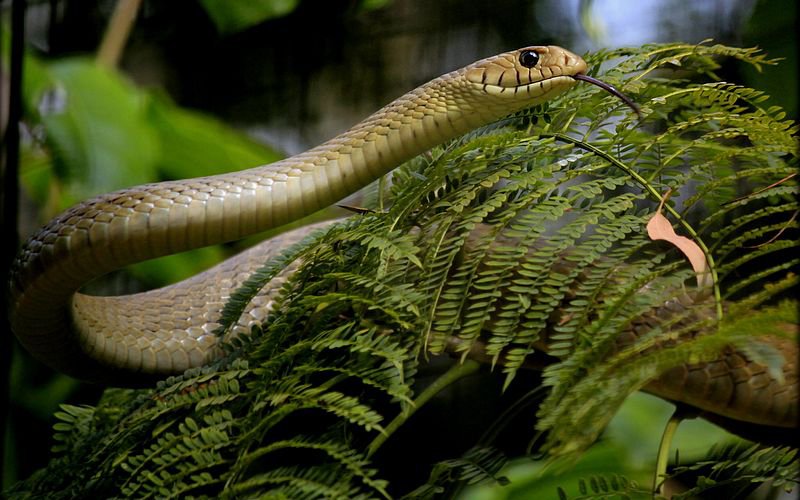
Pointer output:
663, 451
382, 181
456, 372
117, 32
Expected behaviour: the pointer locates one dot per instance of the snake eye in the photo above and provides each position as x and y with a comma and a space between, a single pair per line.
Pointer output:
528, 58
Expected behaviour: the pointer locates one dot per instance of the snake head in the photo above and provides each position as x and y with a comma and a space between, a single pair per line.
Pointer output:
534, 73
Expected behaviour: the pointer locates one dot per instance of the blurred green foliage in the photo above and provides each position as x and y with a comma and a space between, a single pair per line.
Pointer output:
628, 448
231, 16
235, 15
773, 27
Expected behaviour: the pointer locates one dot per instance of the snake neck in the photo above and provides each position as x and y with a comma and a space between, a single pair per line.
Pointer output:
132, 225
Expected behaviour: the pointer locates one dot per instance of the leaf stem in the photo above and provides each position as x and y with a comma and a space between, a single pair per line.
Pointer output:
657, 196
455, 373
663, 451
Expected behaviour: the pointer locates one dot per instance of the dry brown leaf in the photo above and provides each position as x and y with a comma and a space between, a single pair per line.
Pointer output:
659, 228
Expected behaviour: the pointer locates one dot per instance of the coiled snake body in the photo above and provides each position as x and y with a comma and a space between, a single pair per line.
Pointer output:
112, 339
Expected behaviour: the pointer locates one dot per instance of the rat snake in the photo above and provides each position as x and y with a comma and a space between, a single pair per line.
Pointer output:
166, 331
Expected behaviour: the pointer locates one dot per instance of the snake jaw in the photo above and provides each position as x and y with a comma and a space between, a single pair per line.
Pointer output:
510, 75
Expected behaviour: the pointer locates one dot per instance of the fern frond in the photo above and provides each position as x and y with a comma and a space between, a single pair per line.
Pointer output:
744, 465
605, 487
478, 464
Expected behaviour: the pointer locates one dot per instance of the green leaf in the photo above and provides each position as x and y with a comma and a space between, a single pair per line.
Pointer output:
374, 4
231, 16
194, 145
173, 268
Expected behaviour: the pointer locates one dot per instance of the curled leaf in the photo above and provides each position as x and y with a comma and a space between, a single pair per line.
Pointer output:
659, 228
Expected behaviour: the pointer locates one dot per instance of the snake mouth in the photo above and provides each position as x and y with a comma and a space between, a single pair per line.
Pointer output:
611, 90
536, 90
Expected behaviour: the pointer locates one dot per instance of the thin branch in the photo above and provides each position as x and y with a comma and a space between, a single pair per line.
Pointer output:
754, 193
779, 233
457, 372
117, 32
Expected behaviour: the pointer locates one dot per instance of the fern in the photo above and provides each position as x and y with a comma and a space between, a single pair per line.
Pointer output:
743, 467
75, 423
476, 465
521, 239
605, 488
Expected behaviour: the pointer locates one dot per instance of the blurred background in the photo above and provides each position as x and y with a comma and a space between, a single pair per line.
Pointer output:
205, 86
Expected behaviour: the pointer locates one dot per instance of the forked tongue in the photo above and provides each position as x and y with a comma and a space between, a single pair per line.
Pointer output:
611, 90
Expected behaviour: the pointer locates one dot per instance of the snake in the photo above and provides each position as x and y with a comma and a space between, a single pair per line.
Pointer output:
121, 339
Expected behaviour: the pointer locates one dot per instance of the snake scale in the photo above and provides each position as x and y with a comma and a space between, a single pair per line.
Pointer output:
166, 331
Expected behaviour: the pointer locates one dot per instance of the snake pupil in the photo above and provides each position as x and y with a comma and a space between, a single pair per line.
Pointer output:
528, 58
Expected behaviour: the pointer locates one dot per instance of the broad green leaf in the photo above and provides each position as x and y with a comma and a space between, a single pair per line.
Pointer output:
96, 124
